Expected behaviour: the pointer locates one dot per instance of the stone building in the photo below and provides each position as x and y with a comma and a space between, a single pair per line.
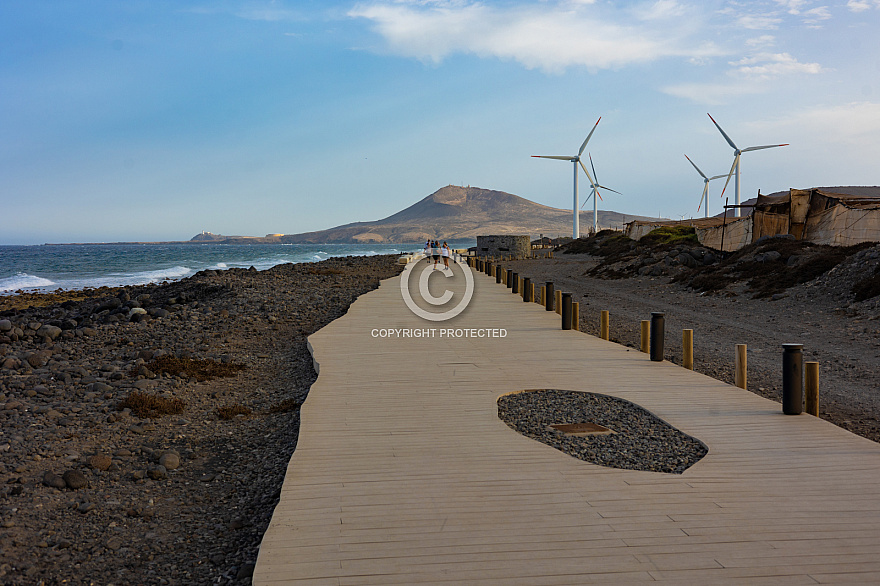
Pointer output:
504, 245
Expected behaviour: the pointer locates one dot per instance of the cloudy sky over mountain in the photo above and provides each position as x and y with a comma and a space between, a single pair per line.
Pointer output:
156, 120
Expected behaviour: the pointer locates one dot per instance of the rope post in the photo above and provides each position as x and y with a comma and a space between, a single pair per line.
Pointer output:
658, 335
811, 388
566, 311
532, 293
576, 316
549, 296
687, 349
646, 335
559, 302
513, 281
499, 275
604, 325
740, 372
792, 379
527, 288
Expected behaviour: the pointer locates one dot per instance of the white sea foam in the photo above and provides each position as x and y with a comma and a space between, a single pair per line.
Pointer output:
23, 281
154, 276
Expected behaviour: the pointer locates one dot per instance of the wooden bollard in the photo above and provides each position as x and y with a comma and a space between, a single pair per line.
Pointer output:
576, 316
543, 291
740, 367
532, 293
559, 302
811, 388
687, 349
604, 325
646, 336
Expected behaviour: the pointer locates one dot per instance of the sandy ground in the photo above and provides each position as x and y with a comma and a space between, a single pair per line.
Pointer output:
846, 343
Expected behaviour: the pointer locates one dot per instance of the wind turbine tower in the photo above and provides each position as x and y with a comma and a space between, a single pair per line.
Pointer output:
704, 199
594, 193
576, 160
735, 167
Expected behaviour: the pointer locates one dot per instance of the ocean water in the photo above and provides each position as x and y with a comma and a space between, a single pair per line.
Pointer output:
76, 266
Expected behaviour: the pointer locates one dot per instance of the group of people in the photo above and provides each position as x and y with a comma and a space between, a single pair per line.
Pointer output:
433, 250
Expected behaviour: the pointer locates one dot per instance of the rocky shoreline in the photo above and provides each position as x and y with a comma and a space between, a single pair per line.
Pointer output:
145, 431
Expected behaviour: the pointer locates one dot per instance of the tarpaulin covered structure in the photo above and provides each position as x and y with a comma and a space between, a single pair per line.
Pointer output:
817, 215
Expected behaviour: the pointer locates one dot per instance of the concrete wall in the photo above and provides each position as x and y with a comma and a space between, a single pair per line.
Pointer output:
504, 245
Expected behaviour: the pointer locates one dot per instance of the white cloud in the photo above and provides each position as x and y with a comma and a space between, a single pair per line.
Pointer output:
814, 16
862, 5
660, 10
550, 38
793, 6
759, 21
749, 75
764, 66
854, 124
713, 94
762, 41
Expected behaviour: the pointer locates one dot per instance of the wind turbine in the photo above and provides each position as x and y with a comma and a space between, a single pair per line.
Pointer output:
706, 180
595, 192
736, 153
576, 159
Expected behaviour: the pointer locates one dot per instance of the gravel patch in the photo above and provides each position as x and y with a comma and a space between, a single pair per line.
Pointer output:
641, 440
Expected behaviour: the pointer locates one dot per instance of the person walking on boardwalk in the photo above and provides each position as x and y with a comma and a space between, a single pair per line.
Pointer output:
445, 253
428, 250
436, 253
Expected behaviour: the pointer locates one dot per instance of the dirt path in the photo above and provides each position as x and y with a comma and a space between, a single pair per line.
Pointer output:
845, 342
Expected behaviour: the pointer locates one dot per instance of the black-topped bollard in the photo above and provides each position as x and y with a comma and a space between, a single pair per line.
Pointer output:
658, 335
498, 273
549, 296
566, 311
792, 379
515, 288
489, 267
509, 278
527, 287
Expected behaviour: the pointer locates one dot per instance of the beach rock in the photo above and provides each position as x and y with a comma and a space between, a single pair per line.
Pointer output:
109, 305
768, 256
157, 472
53, 480
5, 325
38, 359
170, 461
75, 479
49, 331
99, 387
99, 462
11, 363
136, 311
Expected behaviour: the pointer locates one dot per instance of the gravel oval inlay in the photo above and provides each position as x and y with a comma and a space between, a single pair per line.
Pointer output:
641, 440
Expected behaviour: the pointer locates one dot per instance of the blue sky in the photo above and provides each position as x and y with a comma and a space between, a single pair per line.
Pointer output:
156, 120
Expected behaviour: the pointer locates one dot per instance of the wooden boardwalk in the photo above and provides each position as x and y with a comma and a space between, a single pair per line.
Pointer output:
404, 474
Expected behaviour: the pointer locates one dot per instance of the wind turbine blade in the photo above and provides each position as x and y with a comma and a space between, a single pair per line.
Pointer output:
592, 182
724, 134
716, 177
766, 146
586, 200
703, 195
596, 175
729, 175
558, 158
583, 146
703, 175
609, 189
